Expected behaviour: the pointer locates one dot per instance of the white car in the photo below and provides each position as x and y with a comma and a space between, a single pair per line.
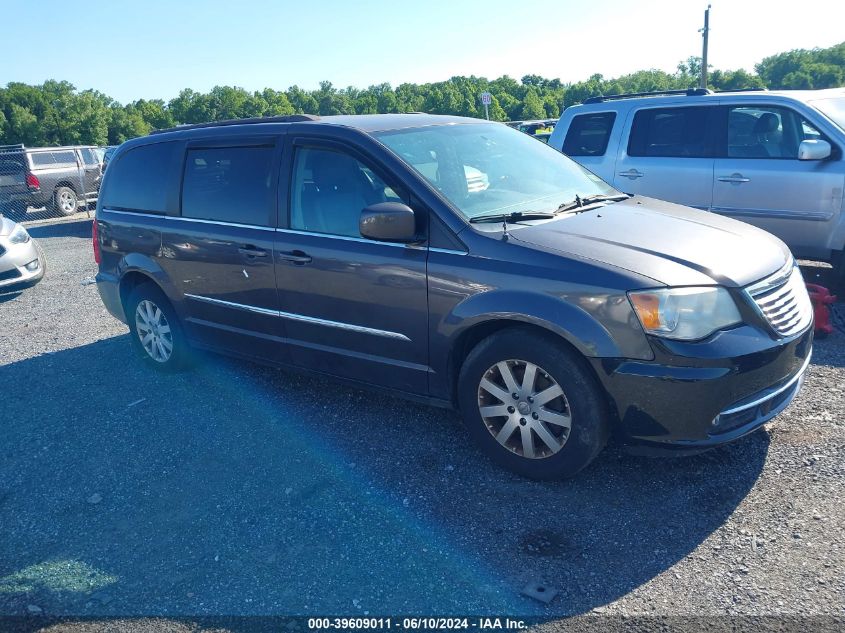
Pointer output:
22, 262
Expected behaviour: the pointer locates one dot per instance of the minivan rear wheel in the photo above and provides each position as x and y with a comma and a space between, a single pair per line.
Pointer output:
532, 404
155, 331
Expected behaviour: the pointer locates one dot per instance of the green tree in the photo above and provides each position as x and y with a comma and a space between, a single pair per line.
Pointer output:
302, 101
55, 112
532, 106
23, 127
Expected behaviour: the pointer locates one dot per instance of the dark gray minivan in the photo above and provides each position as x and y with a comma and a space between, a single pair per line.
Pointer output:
458, 262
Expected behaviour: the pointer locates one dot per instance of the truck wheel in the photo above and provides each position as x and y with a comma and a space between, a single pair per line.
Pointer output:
65, 201
532, 404
155, 330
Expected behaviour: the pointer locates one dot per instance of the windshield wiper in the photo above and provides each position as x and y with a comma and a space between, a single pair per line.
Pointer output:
514, 216
580, 202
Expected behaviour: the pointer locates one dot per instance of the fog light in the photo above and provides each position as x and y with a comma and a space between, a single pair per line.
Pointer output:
33, 266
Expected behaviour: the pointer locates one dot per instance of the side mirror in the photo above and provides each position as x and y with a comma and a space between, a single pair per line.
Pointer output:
388, 222
814, 150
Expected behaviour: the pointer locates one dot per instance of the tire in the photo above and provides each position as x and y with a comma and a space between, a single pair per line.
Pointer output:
582, 403
146, 305
65, 201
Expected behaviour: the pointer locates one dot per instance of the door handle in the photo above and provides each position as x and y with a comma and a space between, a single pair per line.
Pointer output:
295, 257
734, 178
633, 174
250, 252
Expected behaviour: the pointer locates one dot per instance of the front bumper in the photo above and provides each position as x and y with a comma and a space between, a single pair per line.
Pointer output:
694, 396
21, 265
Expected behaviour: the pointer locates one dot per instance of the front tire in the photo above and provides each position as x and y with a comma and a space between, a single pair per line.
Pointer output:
65, 201
532, 404
155, 330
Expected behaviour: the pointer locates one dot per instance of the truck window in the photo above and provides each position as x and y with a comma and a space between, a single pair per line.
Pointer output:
88, 156
670, 132
65, 158
589, 134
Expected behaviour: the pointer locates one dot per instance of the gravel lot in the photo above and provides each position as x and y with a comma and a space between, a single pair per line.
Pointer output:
238, 489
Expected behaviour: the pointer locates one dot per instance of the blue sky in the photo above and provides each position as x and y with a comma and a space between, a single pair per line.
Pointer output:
154, 48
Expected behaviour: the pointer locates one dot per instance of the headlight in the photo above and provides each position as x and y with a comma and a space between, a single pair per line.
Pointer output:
19, 235
687, 314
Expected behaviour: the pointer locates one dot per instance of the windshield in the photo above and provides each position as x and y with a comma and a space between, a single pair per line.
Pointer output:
834, 109
492, 168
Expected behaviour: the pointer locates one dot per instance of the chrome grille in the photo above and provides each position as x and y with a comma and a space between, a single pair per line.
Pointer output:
783, 301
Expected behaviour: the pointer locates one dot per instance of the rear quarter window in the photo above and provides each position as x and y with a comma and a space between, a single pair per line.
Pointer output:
589, 134
140, 178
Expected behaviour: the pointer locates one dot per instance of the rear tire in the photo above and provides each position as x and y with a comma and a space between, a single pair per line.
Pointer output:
155, 331
534, 367
65, 201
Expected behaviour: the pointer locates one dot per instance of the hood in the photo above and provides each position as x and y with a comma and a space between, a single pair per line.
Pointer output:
6, 226
670, 243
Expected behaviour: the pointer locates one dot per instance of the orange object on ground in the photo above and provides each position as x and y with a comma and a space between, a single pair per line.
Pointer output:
821, 298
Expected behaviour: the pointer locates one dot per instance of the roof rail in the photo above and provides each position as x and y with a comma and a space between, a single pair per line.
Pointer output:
12, 147
690, 92
745, 90
288, 118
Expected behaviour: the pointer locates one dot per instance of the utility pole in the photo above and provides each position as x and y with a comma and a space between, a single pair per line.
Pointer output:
704, 33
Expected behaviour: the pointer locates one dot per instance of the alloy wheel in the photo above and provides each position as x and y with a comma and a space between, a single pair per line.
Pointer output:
524, 408
66, 202
153, 331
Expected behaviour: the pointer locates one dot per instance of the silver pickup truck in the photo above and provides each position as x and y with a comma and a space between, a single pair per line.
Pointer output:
772, 159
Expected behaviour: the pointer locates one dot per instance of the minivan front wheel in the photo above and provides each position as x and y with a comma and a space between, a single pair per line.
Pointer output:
532, 404
154, 328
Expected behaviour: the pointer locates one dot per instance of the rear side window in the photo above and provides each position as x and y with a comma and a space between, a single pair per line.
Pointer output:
229, 184
589, 134
139, 180
670, 132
